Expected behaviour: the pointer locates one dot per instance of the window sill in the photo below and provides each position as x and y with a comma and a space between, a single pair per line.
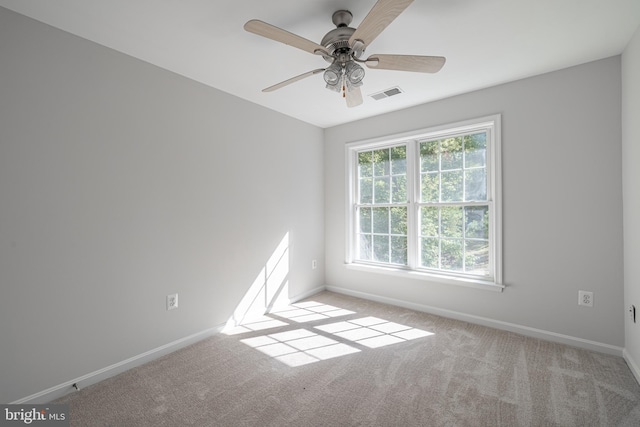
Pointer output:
428, 277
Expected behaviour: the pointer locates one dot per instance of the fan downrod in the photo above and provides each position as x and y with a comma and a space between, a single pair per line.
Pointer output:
342, 18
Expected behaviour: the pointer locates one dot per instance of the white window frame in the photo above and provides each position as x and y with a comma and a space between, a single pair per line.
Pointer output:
490, 124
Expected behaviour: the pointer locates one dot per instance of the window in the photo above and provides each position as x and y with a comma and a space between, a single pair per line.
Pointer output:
428, 202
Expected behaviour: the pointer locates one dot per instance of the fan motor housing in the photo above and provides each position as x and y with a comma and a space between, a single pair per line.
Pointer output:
336, 41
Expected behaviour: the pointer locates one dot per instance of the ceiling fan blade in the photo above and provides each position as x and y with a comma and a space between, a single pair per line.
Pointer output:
278, 34
354, 97
378, 18
416, 63
293, 80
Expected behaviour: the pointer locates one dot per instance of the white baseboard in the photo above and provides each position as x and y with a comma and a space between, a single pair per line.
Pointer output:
497, 324
117, 368
307, 294
63, 389
633, 366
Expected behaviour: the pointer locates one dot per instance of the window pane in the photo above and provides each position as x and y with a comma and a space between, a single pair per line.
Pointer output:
476, 222
452, 251
399, 250
430, 187
429, 253
475, 181
452, 186
382, 190
381, 162
365, 247
451, 153
429, 224
399, 160
429, 156
399, 189
399, 220
381, 220
366, 190
381, 248
451, 220
365, 220
365, 164
475, 150
477, 257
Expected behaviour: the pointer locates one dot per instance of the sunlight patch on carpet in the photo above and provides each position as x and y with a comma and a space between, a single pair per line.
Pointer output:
317, 342
299, 347
310, 311
373, 332
256, 324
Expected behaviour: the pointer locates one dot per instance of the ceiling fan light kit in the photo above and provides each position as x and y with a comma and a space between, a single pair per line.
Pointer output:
343, 46
332, 74
354, 72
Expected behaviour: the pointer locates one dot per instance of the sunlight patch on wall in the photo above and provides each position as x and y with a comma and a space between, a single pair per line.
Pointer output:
269, 289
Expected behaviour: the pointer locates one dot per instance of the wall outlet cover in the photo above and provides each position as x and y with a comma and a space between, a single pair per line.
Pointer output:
585, 298
172, 301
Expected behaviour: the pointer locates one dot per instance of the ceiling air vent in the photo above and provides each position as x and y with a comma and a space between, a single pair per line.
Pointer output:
386, 93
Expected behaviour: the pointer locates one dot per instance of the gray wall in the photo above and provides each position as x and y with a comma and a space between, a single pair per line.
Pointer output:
562, 203
121, 183
631, 193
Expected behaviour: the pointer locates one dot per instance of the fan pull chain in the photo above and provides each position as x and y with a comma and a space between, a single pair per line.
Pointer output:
344, 91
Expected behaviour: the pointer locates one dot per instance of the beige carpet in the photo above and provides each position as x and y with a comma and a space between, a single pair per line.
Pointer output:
334, 360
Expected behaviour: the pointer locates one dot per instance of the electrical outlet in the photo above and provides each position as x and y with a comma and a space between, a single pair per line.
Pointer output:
314, 264
172, 301
632, 313
585, 298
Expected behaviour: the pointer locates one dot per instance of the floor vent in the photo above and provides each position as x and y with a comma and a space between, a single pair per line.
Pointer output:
386, 93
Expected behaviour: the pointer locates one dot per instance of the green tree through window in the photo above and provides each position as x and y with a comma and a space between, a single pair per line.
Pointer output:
382, 207
454, 215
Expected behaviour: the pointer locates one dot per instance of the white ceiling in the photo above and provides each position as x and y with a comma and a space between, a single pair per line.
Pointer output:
486, 42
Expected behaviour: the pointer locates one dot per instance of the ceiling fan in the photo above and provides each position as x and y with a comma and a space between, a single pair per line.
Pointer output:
343, 46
